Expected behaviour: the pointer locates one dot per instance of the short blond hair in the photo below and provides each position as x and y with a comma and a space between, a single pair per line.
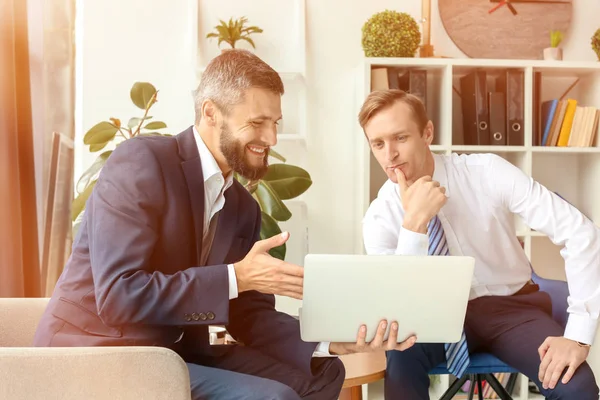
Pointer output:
228, 76
380, 100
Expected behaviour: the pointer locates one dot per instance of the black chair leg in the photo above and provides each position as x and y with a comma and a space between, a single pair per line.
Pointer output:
454, 388
498, 388
471, 387
479, 387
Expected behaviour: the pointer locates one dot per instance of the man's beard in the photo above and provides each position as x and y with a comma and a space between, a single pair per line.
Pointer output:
235, 156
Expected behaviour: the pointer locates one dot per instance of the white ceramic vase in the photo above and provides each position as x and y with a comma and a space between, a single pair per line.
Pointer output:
553, 53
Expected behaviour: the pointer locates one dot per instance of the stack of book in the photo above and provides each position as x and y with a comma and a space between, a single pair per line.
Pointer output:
566, 123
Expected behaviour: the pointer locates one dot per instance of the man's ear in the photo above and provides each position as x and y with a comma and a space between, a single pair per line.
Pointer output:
428, 132
210, 113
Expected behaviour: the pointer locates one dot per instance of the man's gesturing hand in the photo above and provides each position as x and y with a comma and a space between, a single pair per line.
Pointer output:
421, 200
261, 272
377, 344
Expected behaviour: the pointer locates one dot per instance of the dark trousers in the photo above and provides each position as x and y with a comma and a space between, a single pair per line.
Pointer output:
245, 373
509, 327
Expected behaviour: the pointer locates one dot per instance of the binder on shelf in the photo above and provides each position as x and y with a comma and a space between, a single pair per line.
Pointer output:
475, 111
511, 83
497, 112
538, 127
414, 81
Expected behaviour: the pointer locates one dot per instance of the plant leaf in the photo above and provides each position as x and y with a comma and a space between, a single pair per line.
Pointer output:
270, 228
100, 133
276, 155
134, 122
156, 125
247, 39
287, 181
97, 147
92, 171
79, 202
141, 93
270, 202
223, 32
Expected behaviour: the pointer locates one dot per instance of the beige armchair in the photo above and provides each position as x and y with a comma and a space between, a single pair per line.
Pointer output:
112, 373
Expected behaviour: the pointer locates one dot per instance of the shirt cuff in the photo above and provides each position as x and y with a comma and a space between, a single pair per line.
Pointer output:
233, 289
322, 350
581, 328
412, 243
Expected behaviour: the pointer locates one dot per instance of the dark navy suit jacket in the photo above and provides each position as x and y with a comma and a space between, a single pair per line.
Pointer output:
134, 276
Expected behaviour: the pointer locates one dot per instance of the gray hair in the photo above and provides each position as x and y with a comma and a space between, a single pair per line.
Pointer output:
229, 75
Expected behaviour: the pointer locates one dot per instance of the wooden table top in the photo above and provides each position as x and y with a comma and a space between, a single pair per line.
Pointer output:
363, 368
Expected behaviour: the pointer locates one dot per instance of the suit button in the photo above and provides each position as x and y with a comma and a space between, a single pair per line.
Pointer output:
210, 315
203, 316
187, 317
195, 316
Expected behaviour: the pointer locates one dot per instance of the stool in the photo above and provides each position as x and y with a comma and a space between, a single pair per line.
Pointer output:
361, 369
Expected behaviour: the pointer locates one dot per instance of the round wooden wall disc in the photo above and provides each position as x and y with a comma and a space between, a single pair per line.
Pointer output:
500, 34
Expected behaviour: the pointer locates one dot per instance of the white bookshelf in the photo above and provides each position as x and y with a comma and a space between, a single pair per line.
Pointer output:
572, 172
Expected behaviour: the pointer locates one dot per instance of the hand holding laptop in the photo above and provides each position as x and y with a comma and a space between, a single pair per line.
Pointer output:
377, 344
264, 273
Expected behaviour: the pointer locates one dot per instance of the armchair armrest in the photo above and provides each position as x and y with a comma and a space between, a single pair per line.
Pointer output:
111, 373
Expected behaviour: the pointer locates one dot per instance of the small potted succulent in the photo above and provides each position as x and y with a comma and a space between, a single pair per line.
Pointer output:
554, 52
596, 43
234, 31
390, 34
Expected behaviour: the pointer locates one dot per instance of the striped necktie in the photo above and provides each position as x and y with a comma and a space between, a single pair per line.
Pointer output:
457, 354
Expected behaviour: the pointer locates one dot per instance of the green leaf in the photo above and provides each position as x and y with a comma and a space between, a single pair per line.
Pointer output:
156, 125
270, 202
79, 202
247, 39
141, 93
276, 155
269, 228
100, 133
287, 181
97, 147
92, 171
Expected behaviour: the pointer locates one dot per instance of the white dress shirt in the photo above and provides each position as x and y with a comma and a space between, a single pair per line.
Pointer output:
214, 200
484, 191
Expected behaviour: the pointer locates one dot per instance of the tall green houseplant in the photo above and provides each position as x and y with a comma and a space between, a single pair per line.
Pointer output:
282, 181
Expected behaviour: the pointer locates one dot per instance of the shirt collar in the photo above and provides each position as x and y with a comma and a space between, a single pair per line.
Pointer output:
210, 167
439, 172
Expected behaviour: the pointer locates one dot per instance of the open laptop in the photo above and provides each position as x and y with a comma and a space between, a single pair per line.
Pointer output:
427, 295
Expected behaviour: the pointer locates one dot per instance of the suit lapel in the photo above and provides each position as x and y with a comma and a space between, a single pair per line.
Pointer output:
192, 170
226, 227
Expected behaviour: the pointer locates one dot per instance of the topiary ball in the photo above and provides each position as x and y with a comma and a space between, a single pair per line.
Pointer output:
390, 34
596, 43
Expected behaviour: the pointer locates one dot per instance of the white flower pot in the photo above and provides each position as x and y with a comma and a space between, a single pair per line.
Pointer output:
552, 53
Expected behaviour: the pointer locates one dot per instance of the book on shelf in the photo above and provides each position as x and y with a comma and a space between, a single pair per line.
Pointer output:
567, 123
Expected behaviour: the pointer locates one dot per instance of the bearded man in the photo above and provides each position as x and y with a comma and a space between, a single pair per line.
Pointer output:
169, 244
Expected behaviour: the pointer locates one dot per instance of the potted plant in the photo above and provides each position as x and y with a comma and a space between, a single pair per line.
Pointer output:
596, 43
554, 52
234, 31
281, 182
390, 34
